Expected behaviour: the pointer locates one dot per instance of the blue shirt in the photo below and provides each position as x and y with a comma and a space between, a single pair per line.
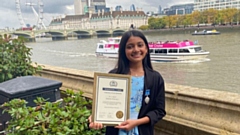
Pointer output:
135, 103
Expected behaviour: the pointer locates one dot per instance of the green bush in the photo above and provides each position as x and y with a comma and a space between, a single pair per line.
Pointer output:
67, 117
15, 59
143, 27
156, 23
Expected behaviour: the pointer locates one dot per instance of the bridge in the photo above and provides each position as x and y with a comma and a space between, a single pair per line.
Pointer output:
62, 34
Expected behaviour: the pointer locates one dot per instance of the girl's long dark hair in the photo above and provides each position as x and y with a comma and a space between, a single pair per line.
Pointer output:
123, 63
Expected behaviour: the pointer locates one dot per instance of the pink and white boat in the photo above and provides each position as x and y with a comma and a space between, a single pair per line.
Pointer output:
168, 51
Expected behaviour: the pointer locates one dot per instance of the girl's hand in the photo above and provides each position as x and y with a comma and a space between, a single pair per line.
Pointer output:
127, 125
94, 125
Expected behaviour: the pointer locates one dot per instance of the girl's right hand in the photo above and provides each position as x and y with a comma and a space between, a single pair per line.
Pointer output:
94, 125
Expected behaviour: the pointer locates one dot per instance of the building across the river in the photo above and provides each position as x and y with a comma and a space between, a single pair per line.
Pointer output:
83, 6
180, 9
101, 20
201, 5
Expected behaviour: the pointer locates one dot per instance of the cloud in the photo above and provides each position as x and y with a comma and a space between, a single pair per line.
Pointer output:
5, 19
59, 6
70, 7
53, 8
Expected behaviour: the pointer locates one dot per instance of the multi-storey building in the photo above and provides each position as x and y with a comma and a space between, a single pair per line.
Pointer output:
165, 10
118, 8
132, 7
101, 20
180, 9
98, 2
160, 10
83, 6
201, 5
96, 5
80, 7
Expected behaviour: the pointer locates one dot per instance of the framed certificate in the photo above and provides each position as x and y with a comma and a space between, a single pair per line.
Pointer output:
111, 98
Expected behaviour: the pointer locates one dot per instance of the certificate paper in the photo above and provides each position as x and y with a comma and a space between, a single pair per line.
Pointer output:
111, 96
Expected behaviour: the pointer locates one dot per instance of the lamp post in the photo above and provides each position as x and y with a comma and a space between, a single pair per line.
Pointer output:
111, 22
238, 16
111, 25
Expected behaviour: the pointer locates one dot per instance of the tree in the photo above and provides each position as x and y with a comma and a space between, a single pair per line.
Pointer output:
212, 15
170, 21
161, 23
156, 23
188, 20
236, 17
143, 27
219, 18
152, 23
196, 17
204, 16
177, 20
229, 14
15, 59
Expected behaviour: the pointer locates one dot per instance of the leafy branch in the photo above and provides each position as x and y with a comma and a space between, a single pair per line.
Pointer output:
66, 117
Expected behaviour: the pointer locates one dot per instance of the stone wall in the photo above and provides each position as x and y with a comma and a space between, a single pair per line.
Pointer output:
190, 111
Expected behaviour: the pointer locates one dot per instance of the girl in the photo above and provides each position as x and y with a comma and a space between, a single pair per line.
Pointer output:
148, 92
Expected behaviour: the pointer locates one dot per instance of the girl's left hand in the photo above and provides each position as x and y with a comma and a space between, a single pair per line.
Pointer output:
127, 125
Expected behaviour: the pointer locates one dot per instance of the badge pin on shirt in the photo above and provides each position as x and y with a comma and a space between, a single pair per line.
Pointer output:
147, 99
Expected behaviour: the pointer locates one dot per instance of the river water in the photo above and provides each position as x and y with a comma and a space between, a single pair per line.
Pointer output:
220, 72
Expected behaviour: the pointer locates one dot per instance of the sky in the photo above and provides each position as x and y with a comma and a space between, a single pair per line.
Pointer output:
57, 8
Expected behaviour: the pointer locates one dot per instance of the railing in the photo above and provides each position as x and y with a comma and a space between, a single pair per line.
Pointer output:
190, 111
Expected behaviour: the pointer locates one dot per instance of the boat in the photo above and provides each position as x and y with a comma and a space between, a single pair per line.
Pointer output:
206, 32
169, 51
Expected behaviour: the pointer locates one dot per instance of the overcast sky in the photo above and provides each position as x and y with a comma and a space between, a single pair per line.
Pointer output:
53, 8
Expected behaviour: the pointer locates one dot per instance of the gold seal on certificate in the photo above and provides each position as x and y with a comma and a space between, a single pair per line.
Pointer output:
111, 98
119, 114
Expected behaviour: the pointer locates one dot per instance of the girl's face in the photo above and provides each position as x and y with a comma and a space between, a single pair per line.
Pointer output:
136, 49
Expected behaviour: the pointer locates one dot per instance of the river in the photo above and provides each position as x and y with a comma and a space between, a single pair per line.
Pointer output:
221, 72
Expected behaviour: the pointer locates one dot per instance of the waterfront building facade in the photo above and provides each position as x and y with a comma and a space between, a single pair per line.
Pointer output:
180, 9
101, 20
201, 5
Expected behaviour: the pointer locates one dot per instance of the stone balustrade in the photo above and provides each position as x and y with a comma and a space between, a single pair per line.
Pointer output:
190, 111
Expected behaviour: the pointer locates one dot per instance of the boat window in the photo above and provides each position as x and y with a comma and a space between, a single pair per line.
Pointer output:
100, 46
151, 50
197, 49
183, 51
172, 51
112, 47
161, 51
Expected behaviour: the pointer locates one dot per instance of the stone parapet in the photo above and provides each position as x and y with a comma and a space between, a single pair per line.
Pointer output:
190, 110
71, 78
194, 111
